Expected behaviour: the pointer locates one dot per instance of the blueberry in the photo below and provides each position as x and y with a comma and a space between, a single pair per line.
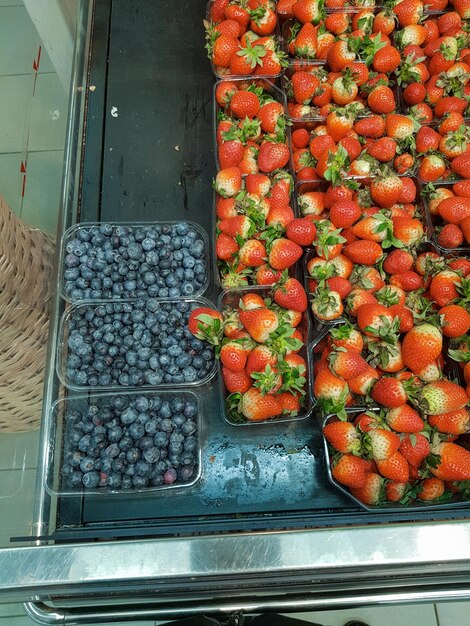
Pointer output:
136, 430
84, 443
186, 473
87, 464
161, 439
188, 427
126, 442
190, 445
115, 434
114, 480
91, 480
76, 458
132, 455
139, 482
75, 479
152, 455
142, 468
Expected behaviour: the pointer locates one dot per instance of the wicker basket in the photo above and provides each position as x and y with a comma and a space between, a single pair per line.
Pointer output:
26, 258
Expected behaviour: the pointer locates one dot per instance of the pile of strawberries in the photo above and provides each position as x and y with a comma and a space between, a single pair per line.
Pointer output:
258, 339
242, 38
372, 126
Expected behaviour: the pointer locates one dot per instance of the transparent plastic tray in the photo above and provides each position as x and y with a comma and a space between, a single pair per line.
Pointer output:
231, 298
436, 221
58, 445
79, 309
72, 232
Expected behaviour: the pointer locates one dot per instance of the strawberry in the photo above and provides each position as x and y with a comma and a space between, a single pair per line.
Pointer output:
372, 493
398, 261
268, 381
404, 419
414, 93
442, 396
339, 55
233, 355
409, 231
443, 287
454, 423
224, 92
240, 226
244, 104
226, 247
427, 139
386, 60
383, 149
363, 252
290, 294
265, 275
222, 50
252, 253
271, 117
327, 304
236, 382
389, 392
455, 320
372, 319
290, 403
251, 301
421, 345
395, 492
307, 11
346, 336
284, 253
344, 89
343, 436
386, 190
257, 407
455, 209
280, 215
206, 324
306, 42
228, 182
328, 387
381, 100
399, 126
431, 489
347, 364
301, 231
344, 213
408, 12
453, 462
304, 86
246, 60
260, 357
350, 470
272, 156
394, 468
372, 126
415, 447
380, 444
360, 385
431, 168
260, 323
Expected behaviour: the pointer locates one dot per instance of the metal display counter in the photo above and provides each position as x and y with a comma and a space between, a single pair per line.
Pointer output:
264, 529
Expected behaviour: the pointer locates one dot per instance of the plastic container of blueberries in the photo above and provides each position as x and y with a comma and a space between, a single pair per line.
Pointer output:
242, 82
63, 351
222, 72
71, 232
417, 505
57, 444
436, 222
231, 298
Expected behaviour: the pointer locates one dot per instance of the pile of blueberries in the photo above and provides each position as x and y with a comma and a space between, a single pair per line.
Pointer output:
131, 442
130, 344
115, 262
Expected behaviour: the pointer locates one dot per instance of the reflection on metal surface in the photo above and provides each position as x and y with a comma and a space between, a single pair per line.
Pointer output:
327, 554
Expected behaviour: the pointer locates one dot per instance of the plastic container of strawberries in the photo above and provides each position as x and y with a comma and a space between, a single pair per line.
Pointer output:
220, 72
451, 501
269, 89
230, 298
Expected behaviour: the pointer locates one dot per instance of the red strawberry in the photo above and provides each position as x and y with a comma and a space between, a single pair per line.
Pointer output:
363, 252
256, 407
345, 336
394, 468
272, 156
415, 448
373, 319
372, 493
350, 470
456, 320
386, 190
389, 392
442, 396
381, 444
398, 261
252, 253
290, 294
454, 209
427, 139
347, 364
304, 86
284, 253
236, 382
259, 358
454, 423
381, 99
260, 323
450, 236
301, 231
421, 346
228, 182
306, 42
206, 324
233, 355
394, 492
307, 11
453, 462
344, 213
226, 247
343, 436
225, 46
443, 287
360, 385
244, 104
240, 226
404, 419
431, 489
265, 275
432, 167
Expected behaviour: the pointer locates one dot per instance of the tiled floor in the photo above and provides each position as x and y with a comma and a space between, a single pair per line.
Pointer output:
33, 109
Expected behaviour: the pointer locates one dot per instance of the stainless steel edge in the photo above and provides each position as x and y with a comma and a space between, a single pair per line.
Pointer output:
68, 191
342, 554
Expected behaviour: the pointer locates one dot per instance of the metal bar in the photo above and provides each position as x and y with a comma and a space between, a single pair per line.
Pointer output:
72, 151
324, 554
45, 614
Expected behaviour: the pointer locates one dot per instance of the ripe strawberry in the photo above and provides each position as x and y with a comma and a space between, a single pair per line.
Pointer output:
327, 386
453, 423
363, 252
252, 253
414, 93
455, 209
408, 12
431, 489
284, 253
404, 419
453, 462
233, 355
339, 55
442, 396
251, 301
398, 261
260, 357
465, 226
347, 364
386, 190
372, 126
421, 345
304, 86
206, 324
381, 444
399, 126
372, 493
280, 216
443, 287
224, 47
301, 231
381, 100
360, 385
415, 447
408, 281
350, 470
307, 11
431, 168
228, 182
260, 323
383, 149
372, 318
257, 407
244, 104
395, 492
290, 294
240, 225
345, 336
272, 156
455, 320
344, 213
226, 247
386, 60
389, 392
343, 436
427, 139
300, 138
461, 166
290, 403
394, 468
306, 42
236, 382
